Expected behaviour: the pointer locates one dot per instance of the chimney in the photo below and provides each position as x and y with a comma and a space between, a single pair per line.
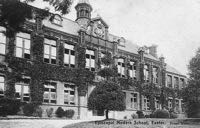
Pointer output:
153, 50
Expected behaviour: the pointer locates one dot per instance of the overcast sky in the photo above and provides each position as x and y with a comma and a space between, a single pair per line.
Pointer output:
174, 25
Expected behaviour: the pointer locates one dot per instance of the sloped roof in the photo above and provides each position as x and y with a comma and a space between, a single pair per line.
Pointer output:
172, 70
130, 47
68, 26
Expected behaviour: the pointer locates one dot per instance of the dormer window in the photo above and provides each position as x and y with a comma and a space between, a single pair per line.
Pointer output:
121, 41
57, 20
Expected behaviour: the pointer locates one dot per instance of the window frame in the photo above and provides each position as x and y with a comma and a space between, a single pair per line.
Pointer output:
3, 43
70, 51
133, 69
23, 48
146, 73
68, 93
90, 57
50, 92
51, 46
121, 67
3, 89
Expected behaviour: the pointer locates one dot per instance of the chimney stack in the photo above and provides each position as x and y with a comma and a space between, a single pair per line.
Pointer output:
153, 50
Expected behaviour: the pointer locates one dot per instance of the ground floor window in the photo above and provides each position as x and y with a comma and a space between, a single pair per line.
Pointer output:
157, 103
134, 100
170, 103
177, 105
146, 103
2, 86
22, 91
69, 93
50, 92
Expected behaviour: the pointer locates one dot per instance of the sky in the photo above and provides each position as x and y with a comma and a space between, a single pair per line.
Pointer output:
173, 25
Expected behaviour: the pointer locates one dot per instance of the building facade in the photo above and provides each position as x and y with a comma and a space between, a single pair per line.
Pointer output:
52, 55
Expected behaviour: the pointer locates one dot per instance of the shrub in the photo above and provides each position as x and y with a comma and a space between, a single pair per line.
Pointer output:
134, 116
152, 115
29, 109
38, 112
193, 110
161, 114
173, 115
60, 112
147, 116
9, 106
140, 114
69, 113
49, 112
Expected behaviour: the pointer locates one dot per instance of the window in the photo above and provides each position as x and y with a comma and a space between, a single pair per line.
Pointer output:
121, 67
69, 56
146, 103
23, 44
90, 60
155, 75
57, 20
176, 83
2, 86
132, 70
102, 65
177, 105
2, 41
182, 83
50, 92
134, 100
146, 73
157, 103
169, 81
22, 89
50, 51
69, 94
170, 103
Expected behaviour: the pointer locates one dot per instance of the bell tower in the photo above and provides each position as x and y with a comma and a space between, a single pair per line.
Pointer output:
83, 9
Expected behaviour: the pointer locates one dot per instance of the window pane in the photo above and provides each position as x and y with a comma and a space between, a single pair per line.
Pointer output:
27, 44
92, 63
66, 58
1, 87
18, 88
19, 42
2, 48
2, 38
47, 41
122, 71
72, 52
53, 51
72, 59
68, 46
66, 51
53, 42
19, 52
26, 89
1, 79
87, 63
46, 49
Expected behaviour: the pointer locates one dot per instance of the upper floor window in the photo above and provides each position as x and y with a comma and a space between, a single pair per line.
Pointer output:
155, 75
121, 67
50, 92
22, 89
146, 73
69, 94
2, 41
182, 83
90, 60
23, 45
169, 81
2, 86
57, 20
132, 70
176, 82
69, 56
50, 52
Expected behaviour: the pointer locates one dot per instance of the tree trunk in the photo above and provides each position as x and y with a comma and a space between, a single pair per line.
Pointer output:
107, 114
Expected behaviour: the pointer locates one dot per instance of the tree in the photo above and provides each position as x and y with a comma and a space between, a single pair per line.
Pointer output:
191, 94
108, 95
14, 13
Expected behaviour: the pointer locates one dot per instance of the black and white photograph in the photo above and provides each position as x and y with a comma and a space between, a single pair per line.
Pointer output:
99, 63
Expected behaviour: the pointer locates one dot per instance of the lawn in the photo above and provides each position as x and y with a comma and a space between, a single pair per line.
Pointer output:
139, 123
